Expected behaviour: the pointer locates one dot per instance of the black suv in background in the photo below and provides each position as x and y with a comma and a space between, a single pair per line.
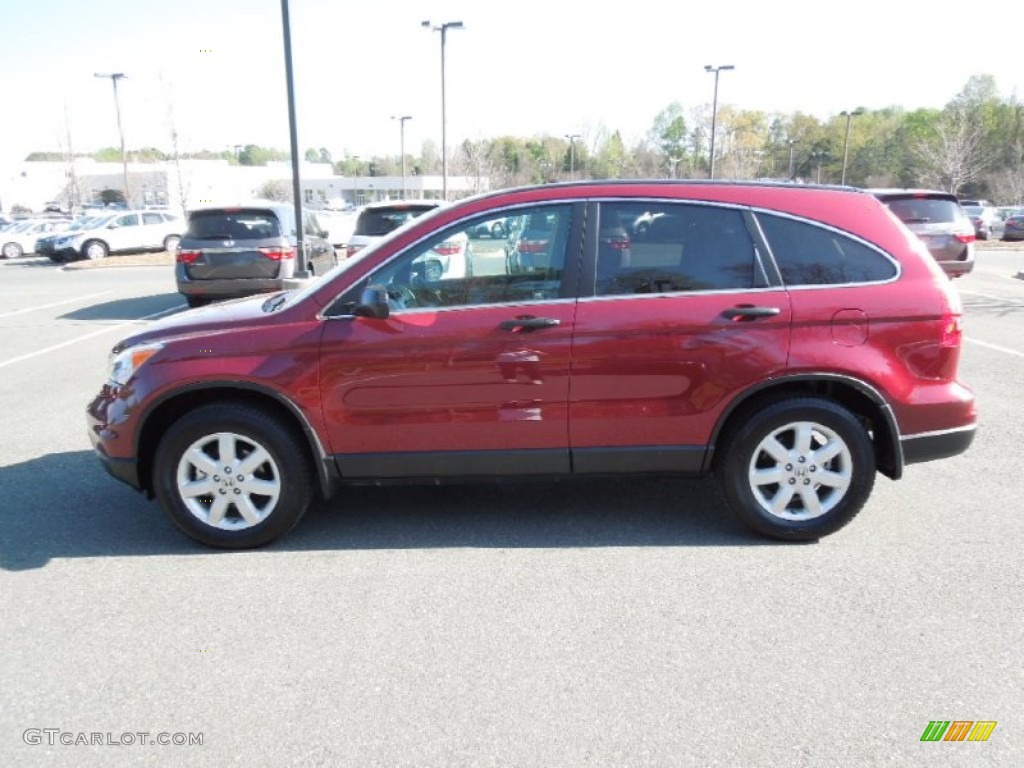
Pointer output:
939, 221
227, 252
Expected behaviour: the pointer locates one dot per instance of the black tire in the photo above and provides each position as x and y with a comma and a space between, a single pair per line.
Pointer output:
747, 470
95, 249
197, 301
251, 434
498, 231
11, 251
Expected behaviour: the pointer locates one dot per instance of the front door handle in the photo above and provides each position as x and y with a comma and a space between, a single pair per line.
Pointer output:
750, 312
528, 323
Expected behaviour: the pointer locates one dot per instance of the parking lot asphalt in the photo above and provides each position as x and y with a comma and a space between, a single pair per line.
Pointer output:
599, 623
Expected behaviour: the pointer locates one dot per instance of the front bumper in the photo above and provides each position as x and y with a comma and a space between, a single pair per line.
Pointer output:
102, 418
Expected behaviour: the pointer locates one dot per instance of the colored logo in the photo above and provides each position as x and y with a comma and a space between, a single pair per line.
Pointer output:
958, 730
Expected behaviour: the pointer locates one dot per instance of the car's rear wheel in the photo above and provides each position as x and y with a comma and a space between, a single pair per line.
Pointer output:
171, 243
798, 469
197, 301
95, 249
12, 250
232, 476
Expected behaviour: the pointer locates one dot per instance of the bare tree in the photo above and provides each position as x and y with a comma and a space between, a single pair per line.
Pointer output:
183, 185
955, 154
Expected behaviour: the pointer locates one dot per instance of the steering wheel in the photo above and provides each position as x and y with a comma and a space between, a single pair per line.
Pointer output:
401, 297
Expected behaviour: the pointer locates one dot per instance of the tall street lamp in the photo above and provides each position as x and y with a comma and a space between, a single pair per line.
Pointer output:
846, 146
714, 111
792, 143
572, 153
114, 77
443, 29
401, 123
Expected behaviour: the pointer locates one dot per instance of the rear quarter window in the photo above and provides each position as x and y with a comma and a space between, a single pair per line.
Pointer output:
807, 254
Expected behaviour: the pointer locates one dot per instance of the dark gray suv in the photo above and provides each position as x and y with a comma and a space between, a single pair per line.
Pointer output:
227, 252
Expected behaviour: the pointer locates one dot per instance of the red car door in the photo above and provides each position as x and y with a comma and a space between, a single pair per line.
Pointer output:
467, 376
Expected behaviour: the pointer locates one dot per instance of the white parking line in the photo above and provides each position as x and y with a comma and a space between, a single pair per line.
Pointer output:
54, 304
68, 343
996, 347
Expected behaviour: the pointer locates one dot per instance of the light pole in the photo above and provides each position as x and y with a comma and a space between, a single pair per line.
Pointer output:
846, 145
792, 143
818, 157
572, 153
114, 77
443, 29
401, 129
714, 111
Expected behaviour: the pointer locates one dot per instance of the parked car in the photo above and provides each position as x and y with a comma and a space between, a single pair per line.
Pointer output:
451, 258
227, 252
940, 223
120, 232
791, 340
985, 220
21, 237
383, 217
496, 229
1013, 226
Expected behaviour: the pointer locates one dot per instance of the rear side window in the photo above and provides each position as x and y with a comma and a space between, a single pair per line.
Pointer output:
376, 222
233, 225
807, 254
669, 247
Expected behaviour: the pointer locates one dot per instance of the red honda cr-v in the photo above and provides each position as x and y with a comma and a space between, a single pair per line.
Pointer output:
792, 340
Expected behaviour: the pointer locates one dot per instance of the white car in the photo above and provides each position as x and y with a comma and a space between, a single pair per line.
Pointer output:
449, 259
20, 238
122, 231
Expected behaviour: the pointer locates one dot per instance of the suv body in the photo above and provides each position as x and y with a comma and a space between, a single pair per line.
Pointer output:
123, 231
793, 340
940, 223
228, 252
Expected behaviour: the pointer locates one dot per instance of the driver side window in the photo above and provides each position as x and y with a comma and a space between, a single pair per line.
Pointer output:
507, 259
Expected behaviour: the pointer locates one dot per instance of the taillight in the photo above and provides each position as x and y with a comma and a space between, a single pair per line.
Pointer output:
952, 330
351, 250
187, 257
278, 254
532, 246
617, 243
447, 249
963, 237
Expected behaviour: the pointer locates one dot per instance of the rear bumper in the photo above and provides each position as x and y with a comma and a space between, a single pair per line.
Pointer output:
929, 446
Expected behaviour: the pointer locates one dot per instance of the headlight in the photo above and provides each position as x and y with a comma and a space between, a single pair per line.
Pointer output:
124, 364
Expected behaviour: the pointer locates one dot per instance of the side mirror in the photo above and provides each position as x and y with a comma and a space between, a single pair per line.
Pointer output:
373, 303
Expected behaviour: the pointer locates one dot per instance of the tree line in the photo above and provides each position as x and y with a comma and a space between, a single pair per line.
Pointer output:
973, 147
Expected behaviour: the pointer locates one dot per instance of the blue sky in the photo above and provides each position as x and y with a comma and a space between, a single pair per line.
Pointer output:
524, 68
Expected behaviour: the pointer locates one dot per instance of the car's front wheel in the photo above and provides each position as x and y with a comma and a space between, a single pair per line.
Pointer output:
232, 476
798, 469
95, 249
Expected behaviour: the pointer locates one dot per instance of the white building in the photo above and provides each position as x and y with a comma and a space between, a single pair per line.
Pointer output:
192, 183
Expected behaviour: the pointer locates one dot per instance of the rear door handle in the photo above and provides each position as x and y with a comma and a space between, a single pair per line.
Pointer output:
528, 323
750, 312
